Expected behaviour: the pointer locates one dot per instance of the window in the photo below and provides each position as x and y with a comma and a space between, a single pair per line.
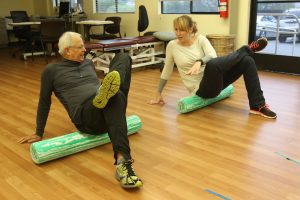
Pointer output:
278, 21
73, 3
115, 6
189, 6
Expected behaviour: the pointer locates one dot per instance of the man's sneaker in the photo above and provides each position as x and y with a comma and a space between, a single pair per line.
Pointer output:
264, 111
259, 44
110, 86
126, 175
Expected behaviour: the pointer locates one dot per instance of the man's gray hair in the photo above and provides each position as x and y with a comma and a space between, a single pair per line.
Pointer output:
66, 40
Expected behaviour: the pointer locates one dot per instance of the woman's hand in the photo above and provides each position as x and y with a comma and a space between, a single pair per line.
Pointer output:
158, 100
195, 69
30, 139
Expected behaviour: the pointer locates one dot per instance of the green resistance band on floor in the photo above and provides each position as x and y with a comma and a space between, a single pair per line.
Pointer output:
217, 194
53, 148
288, 158
194, 102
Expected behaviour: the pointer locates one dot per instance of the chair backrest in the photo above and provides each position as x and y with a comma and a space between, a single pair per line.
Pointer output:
112, 28
20, 16
143, 21
52, 28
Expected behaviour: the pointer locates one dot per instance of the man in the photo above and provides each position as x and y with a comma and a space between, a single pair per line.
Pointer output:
93, 109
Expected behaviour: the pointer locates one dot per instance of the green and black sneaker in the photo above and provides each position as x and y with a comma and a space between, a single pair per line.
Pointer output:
110, 86
126, 175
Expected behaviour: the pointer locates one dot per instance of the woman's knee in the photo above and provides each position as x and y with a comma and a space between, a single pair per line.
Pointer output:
248, 61
211, 67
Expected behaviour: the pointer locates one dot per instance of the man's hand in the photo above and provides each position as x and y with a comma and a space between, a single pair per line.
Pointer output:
158, 100
195, 69
30, 139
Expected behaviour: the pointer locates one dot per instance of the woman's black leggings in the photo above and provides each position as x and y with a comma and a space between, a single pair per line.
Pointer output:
222, 71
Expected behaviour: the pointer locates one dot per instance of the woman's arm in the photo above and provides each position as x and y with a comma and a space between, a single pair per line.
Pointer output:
208, 49
165, 75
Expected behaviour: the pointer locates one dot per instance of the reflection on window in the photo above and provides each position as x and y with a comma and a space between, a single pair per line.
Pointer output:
115, 6
73, 3
279, 22
205, 6
189, 6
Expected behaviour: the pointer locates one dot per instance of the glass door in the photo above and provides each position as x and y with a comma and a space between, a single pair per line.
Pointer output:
279, 22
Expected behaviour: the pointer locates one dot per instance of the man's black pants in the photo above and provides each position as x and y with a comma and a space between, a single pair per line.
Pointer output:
112, 118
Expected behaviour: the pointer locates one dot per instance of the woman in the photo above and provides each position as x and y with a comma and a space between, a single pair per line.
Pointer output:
206, 75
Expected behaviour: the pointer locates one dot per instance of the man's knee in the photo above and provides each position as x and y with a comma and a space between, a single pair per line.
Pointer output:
123, 57
119, 99
120, 62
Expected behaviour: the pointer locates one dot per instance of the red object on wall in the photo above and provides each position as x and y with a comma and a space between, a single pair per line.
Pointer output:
223, 8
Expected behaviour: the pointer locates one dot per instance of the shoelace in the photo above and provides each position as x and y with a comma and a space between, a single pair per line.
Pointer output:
128, 168
265, 106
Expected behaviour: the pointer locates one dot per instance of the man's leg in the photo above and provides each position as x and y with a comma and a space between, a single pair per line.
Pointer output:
119, 77
109, 87
114, 115
112, 119
122, 63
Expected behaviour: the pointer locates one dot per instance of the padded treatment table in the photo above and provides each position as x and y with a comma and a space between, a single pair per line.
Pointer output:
143, 50
194, 102
68, 144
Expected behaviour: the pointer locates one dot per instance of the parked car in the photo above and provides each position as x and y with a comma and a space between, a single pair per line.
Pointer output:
266, 26
290, 23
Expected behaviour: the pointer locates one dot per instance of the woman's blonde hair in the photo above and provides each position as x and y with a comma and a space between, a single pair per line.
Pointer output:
185, 23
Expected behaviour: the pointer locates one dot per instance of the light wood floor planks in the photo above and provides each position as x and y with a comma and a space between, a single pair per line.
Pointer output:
178, 156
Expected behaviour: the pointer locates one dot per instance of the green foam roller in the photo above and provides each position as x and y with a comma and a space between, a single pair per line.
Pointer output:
72, 143
194, 102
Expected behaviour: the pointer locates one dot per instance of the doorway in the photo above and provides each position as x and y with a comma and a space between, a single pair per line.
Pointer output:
279, 22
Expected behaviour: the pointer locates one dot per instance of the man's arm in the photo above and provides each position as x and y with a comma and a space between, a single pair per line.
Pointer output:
44, 100
43, 107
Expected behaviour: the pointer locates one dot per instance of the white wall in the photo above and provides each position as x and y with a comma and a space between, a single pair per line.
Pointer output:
242, 22
7, 5
237, 23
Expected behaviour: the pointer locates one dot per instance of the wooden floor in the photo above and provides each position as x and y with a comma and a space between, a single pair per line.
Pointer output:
178, 156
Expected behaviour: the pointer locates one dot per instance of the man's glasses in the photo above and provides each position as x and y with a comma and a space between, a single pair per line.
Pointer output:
77, 47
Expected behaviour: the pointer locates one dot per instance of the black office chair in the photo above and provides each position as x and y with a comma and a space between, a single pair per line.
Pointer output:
51, 30
109, 30
143, 21
24, 33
